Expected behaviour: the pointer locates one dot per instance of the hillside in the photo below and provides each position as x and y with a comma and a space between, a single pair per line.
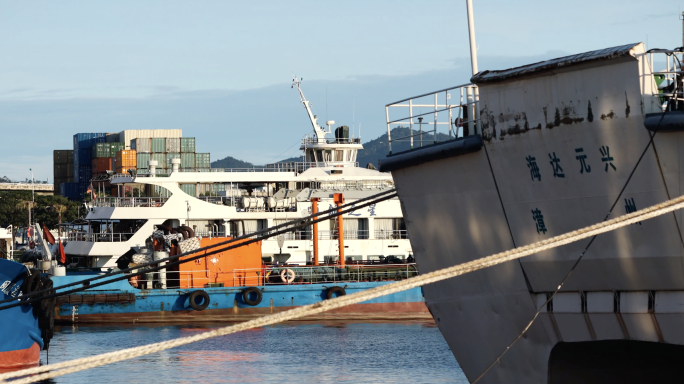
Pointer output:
377, 149
231, 162
372, 151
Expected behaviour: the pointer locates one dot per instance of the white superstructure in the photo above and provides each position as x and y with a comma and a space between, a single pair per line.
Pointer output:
233, 202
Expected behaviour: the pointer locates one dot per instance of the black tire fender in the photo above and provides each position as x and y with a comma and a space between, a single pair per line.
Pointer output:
332, 290
31, 282
249, 291
199, 306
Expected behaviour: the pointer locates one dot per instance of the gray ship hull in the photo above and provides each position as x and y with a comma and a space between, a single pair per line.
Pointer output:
563, 147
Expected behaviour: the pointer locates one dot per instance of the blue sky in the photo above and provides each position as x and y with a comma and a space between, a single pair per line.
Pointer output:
221, 70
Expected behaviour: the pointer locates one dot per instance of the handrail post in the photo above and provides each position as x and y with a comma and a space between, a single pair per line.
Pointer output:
339, 200
411, 121
389, 134
434, 132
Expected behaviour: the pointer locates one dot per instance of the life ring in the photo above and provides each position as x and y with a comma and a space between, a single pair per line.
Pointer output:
332, 290
248, 292
203, 304
287, 276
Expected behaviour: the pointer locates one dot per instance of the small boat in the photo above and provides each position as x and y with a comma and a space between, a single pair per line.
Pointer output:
234, 285
20, 335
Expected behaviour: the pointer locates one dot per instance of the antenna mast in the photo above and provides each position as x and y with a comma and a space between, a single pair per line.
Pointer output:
320, 133
471, 34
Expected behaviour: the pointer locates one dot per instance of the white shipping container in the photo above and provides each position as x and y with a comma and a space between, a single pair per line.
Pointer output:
173, 144
129, 135
142, 145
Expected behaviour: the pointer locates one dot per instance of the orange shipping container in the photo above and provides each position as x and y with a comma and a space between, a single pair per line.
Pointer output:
101, 165
235, 267
126, 159
123, 170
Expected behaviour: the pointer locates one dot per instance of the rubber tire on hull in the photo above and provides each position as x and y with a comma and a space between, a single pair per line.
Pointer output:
249, 291
332, 290
205, 301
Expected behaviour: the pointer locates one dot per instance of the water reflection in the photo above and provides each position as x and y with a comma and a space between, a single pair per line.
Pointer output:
339, 352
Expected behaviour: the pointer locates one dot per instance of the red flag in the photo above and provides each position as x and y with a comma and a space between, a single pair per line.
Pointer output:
48, 236
62, 255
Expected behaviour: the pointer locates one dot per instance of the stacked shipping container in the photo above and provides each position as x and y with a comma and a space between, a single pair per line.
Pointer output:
62, 168
96, 153
163, 149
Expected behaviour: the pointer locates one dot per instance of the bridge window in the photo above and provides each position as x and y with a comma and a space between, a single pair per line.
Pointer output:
390, 228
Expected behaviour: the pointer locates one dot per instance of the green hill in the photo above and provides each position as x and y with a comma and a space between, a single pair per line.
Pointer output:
377, 149
231, 162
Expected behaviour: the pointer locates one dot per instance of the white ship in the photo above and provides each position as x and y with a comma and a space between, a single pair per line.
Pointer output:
549, 148
234, 202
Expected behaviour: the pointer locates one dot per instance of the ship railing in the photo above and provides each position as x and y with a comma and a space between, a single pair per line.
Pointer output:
164, 280
354, 184
230, 201
320, 274
210, 234
129, 201
391, 234
298, 235
309, 140
348, 234
302, 166
361, 234
665, 71
455, 108
99, 237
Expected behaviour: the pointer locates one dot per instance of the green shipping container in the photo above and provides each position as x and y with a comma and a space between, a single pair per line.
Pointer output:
158, 145
143, 158
116, 147
101, 150
161, 159
170, 156
188, 160
202, 160
187, 144
189, 189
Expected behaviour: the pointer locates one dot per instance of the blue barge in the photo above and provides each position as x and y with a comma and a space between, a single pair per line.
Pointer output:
120, 302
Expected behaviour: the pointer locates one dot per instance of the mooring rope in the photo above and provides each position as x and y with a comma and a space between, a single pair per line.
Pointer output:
72, 366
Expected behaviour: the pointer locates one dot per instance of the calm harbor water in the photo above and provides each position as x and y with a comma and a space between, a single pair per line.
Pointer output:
329, 352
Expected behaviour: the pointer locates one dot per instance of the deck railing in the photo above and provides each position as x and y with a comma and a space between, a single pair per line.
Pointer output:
164, 280
391, 234
664, 65
279, 275
99, 237
460, 116
309, 140
348, 235
129, 201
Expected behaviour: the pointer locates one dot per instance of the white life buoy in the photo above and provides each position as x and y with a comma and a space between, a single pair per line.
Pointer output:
287, 275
